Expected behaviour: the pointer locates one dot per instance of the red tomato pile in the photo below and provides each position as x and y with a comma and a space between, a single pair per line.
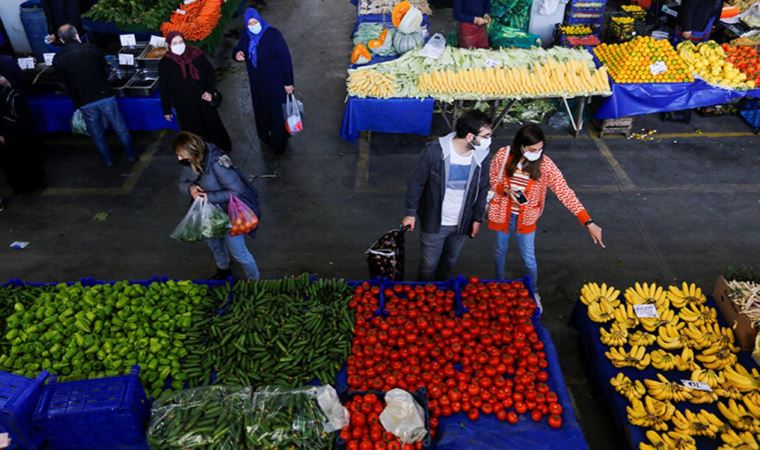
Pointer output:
745, 59
365, 431
488, 361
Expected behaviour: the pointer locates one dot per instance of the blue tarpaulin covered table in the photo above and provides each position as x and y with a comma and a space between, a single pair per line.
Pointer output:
52, 113
646, 98
390, 115
457, 432
601, 370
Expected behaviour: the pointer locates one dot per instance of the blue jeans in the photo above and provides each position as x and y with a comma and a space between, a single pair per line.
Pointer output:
440, 252
235, 245
526, 247
106, 112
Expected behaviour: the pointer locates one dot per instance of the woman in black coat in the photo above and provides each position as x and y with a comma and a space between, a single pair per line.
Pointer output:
187, 83
270, 74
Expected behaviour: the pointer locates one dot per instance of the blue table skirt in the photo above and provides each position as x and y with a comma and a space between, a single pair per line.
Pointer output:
53, 113
634, 99
392, 115
457, 432
601, 370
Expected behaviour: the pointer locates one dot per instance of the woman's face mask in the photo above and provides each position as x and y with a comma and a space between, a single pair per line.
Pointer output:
254, 26
178, 47
532, 154
184, 162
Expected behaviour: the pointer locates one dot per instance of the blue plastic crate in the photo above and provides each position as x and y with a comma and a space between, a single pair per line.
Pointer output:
103, 413
570, 20
18, 397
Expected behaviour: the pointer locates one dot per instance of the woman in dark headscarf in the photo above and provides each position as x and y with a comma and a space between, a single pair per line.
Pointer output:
187, 83
19, 156
270, 73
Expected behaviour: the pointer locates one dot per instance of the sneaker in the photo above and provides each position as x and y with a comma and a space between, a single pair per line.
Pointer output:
538, 304
221, 274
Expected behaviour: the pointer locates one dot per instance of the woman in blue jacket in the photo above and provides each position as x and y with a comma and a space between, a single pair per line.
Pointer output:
209, 173
270, 73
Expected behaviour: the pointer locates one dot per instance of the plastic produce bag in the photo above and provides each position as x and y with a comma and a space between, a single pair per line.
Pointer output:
242, 218
78, 125
294, 418
207, 417
202, 221
293, 112
403, 416
385, 257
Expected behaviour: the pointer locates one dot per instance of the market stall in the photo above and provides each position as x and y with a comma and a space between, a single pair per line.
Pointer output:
639, 348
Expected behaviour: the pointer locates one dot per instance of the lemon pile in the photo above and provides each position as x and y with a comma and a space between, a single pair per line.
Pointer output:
708, 60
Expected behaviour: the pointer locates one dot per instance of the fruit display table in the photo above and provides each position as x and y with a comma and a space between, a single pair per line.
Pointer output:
647, 98
601, 371
53, 113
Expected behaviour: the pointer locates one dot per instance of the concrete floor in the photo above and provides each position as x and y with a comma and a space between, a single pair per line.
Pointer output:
680, 207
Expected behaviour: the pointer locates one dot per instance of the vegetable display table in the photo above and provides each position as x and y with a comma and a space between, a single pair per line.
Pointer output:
646, 98
53, 113
601, 370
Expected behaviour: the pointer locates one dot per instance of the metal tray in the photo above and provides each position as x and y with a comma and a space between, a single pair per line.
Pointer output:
142, 84
149, 63
118, 78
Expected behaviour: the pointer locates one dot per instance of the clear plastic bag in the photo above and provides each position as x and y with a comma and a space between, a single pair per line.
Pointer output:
294, 418
293, 112
202, 221
403, 416
242, 218
207, 417
78, 125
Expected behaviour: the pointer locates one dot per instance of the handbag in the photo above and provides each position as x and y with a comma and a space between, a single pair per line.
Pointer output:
491, 193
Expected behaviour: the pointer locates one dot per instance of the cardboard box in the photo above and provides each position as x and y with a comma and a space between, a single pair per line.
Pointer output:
743, 331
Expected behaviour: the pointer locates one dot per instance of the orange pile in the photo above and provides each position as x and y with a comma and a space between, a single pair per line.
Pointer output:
629, 62
198, 21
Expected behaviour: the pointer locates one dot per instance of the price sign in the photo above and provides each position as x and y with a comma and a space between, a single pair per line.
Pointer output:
26, 63
49, 58
127, 40
125, 59
157, 41
492, 63
180, 11
698, 385
646, 311
188, 2
658, 68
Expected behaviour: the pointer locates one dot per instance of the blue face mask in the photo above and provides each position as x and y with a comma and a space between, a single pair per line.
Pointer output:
255, 29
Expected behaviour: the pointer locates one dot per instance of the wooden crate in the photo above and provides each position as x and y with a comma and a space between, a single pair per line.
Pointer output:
617, 126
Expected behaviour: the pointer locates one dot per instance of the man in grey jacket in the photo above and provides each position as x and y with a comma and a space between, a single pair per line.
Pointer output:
448, 191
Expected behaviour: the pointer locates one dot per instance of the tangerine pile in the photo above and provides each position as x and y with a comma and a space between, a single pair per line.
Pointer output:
629, 62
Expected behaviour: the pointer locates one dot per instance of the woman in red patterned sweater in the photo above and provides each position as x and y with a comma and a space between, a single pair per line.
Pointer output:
525, 173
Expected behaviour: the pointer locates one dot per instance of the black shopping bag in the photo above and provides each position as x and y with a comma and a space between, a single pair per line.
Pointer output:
385, 257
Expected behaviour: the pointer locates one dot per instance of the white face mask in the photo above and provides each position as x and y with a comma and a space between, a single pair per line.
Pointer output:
484, 144
255, 29
533, 156
178, 49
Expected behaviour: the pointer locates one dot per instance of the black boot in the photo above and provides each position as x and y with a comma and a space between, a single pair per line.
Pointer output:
222, 274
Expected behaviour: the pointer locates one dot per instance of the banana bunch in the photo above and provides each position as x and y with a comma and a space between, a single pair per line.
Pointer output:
738, 441
592, 292
601, 311
647, 294
754, 402
650, 413
703, 397
741, 418
666, 390
667, 317
702, 423
641, 338
631, 390
728, 391
616, 337
626, 316
685, 361
672, 440
688, 294
709, 377
741, 379
717, 357
673, 337
371, 83
663, 360
637, 357
703, 336
698, 315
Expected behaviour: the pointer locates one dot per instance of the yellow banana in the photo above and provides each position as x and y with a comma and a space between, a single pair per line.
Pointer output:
641, 338
601, 311
738, 416
592, 292
666, 390
709, 377
686, 295
666, 317
626, 316
631, 390
685, 361
647, 294
698, 314
616, 337
663, 360
738, 441
635, 357
741, 379
651, 413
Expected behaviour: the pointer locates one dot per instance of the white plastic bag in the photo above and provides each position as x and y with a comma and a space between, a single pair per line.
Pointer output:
403, 417
78, 125
337, 414
293, 111
548, 7
202, 221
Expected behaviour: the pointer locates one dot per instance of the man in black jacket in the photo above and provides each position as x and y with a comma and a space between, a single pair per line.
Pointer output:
695, 15
60, 12
448, 191
84, 71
